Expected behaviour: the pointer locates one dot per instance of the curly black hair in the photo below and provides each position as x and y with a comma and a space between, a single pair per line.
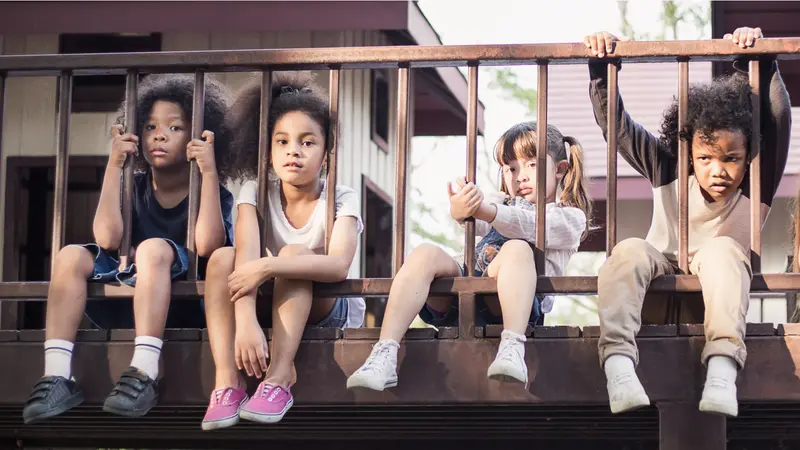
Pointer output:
723, 104
179, 89
291, 91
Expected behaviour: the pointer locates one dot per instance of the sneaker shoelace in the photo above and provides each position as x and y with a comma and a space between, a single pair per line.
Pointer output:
510, 352
378, 359
269, 391
221, 397
717, 382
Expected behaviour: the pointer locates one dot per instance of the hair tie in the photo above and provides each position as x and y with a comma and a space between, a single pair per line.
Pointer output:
569, 154
292, 90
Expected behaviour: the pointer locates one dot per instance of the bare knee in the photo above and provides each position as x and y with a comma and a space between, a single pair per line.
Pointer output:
295, 250
221, 263
154, 253
420, 262
516, 249
74, 259
514, 254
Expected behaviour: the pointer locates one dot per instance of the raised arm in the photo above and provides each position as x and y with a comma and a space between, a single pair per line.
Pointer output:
637, 146
108, 226
210, 231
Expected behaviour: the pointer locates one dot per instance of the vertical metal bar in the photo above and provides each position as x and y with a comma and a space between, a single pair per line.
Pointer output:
541, 166
472, 162
62, 162
330, 197
131, 85
683, 168
611, 160
198, 108
264, 162
755, 170
401, 170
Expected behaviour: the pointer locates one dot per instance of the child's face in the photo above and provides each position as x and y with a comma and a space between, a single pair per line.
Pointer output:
165, 135
298, 149
719, 166
519, 177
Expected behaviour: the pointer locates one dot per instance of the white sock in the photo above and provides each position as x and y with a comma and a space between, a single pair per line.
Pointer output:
508, 334
146, 355
724, 368
618, 364
58, 358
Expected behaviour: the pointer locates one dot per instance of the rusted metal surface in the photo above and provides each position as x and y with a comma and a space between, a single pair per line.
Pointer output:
388, 56
131, 85
356, 287
755, 169
264, 162
561, 371
333, 140
198, 109
611, 179
683, 168
472, 165
541, 165
684, 427
401, 170
466, 315
62, 166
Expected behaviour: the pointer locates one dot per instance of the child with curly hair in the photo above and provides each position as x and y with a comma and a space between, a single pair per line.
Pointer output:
718, 130
158, 235
299, 125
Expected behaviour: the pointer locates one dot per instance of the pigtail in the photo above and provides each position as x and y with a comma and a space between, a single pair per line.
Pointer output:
574, 184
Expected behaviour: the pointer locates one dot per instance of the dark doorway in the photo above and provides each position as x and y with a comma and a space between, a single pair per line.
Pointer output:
376, 244
29, 222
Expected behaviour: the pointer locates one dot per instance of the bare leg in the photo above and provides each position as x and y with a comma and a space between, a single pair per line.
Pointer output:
66, 298
411, 286
291, 308
220, 318
515, 271
154, 257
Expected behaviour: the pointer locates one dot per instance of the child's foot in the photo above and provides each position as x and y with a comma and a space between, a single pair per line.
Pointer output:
509, 364
133, 395
224, 407
719, 393
268, 404
50, 397
379, 370
625, 391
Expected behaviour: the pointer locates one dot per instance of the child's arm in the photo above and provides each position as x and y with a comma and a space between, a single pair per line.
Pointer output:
210, 229
565, 225
637, 146
108, 226
776, 117
248, 248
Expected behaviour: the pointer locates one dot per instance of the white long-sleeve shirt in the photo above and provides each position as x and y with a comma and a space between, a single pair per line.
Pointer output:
565, 226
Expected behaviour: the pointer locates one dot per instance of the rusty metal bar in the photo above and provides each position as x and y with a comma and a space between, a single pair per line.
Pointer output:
466, 316
401, 169
388, 56
131, 86
755, 170
472, 163
264, 140
541, 166
198, 108
611, 159
333, 141
62, 164
683, 168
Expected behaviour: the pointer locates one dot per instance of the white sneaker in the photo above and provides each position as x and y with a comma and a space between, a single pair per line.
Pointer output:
509, 364
625, 391
379, 370
719, 393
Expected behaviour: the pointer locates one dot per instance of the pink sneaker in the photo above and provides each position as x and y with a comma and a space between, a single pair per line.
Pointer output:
223, 409
268, 405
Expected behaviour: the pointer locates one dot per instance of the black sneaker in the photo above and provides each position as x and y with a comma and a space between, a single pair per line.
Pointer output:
50, 397
134, 394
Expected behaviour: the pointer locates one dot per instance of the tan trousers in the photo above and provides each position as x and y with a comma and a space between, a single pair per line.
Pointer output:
723, 267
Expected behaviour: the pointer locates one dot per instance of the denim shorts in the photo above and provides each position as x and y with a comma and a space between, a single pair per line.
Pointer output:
483, 316
337, 318
118, 313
